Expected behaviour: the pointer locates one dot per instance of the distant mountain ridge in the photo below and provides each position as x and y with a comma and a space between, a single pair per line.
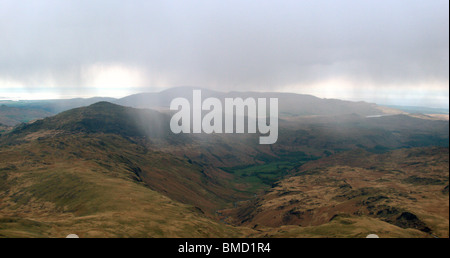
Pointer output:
54, 106
421, 110
290, 104
10, 116
312, 135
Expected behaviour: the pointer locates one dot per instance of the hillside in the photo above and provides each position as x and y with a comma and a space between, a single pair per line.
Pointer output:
70, 186
4, 128
103, 117
238, 158
407, 188
94, 169
89, 171
124, 138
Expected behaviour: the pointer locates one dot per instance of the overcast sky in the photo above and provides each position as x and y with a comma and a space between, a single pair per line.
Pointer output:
389, 52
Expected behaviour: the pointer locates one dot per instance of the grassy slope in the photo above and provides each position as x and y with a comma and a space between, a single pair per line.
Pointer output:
405, 188
51, 168
4, 128
115, 136
342, 227
48, 194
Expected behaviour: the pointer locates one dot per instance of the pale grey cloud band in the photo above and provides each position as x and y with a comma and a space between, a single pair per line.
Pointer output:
226, 45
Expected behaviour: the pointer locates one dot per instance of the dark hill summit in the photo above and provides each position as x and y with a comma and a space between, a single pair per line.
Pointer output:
103, 117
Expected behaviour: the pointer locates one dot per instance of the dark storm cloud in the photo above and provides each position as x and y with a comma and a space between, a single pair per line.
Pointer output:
263, 45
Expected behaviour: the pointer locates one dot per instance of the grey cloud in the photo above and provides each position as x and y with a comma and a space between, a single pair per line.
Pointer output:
227, 44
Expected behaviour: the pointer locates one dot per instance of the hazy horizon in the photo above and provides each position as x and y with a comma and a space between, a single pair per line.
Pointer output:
382, 52
160, 90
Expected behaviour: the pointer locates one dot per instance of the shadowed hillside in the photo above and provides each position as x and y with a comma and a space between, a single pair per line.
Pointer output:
88, 171
118, 137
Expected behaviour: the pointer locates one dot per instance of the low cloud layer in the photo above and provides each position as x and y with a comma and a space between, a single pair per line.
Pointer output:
345, 49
